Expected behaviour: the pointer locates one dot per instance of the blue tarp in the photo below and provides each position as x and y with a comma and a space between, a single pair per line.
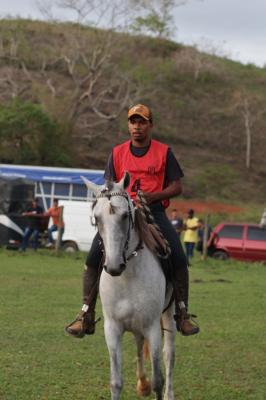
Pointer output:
51, 174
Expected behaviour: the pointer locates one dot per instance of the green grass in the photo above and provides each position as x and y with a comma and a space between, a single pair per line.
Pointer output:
40, 293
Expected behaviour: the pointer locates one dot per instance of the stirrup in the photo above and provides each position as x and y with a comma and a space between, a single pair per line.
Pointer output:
186, 317
90, 328
75, 333
86, 328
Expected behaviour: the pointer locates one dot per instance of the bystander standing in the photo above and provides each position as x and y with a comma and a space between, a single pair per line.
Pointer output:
191, 234
34, 212
177, 221
55, 212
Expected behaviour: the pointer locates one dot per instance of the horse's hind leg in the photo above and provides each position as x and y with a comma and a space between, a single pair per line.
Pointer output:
169, 331
113, 336
143, 384
154, 340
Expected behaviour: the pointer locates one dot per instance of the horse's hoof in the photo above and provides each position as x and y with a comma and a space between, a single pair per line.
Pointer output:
143, 387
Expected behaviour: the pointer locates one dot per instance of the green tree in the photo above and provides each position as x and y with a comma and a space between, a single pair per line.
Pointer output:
156, 17
29, 136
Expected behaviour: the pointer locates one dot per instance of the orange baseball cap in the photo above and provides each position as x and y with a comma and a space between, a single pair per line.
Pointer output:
140, 110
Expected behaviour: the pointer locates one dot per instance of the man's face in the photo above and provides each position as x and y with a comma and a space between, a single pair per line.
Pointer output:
139, 128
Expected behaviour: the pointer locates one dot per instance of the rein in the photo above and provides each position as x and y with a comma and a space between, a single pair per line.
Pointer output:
147, 215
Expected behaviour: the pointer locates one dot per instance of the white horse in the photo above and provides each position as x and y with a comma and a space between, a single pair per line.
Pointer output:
133, 292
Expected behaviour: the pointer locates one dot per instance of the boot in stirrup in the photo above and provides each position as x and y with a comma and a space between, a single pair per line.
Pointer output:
185, 324
84, 324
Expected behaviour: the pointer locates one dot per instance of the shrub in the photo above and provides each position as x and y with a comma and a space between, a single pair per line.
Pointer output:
29, 136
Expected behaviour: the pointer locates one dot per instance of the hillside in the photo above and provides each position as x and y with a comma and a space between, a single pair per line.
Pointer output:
84, 79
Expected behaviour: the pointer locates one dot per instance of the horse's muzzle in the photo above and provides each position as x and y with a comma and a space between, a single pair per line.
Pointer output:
115, 272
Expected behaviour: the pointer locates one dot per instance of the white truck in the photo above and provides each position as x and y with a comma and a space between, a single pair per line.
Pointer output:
79, 229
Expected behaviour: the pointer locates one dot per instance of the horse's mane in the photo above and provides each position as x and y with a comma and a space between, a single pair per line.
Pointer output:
144, 232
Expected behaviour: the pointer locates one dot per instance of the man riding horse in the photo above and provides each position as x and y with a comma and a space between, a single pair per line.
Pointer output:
155, 171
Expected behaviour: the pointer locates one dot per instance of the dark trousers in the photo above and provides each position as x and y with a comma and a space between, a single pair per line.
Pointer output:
189, 249
52, 229
178, 262
30, 232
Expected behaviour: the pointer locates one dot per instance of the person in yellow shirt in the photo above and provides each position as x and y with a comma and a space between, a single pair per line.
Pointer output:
191, 234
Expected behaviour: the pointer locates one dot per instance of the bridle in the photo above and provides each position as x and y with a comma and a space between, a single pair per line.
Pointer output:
105, 193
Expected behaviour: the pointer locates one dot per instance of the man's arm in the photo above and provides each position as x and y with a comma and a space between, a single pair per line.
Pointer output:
173, 189
48, 212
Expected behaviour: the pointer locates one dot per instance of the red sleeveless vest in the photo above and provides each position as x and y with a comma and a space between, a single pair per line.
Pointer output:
147, 173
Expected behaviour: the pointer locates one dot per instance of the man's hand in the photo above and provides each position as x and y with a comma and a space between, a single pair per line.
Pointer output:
150, 197
172, 190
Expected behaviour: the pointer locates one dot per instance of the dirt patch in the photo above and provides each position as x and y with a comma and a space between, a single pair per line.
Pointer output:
212, 281
201, 207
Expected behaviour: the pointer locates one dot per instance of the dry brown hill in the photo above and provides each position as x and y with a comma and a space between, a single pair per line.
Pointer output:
84, 79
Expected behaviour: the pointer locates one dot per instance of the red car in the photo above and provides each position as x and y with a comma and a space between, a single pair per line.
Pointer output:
246, 242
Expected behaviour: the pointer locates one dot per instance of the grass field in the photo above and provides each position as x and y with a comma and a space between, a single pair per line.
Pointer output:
40, 294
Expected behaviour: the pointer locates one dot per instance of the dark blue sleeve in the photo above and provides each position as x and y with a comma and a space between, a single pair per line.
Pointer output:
39, 210
173, 171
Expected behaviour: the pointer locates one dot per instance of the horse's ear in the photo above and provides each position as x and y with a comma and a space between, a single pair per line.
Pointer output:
124, 182
90, 185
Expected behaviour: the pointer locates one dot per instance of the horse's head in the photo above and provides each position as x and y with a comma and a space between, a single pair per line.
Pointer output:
114, 216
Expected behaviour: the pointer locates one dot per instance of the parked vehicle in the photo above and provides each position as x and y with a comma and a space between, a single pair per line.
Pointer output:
16, 195
79, 229
246, 242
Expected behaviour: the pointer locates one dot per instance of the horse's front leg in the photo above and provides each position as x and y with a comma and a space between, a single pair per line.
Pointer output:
155, 340
143, 384
113, 334
169, 351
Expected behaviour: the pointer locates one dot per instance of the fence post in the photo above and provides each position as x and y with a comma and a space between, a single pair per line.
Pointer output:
205, 237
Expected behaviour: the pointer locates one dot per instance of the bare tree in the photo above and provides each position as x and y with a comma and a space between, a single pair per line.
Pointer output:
214, 48
85, 62
82, 8
191, 60
110, 14
245, 111
250, 110
46, 8
84, 68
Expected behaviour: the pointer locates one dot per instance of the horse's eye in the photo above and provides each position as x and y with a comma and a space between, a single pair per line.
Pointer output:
124, 216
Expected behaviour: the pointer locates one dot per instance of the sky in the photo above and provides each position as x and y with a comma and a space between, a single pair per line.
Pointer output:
237, 27
232, 28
